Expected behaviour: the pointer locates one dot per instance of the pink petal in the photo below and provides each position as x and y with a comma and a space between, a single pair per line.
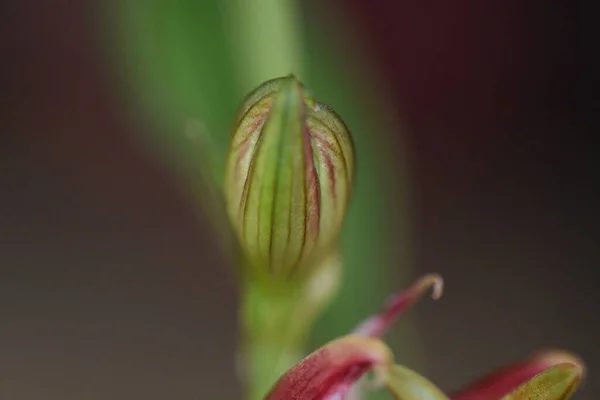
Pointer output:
504, 381
329, 372
378, 325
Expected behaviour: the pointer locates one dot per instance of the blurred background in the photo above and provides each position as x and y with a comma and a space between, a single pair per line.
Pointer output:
110, 282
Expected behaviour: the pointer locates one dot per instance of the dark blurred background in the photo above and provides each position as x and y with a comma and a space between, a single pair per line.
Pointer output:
110, 286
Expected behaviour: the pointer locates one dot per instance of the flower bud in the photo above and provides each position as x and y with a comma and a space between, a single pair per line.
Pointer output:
289, 177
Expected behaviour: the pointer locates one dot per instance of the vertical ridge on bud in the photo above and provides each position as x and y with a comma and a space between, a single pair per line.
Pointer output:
289, 177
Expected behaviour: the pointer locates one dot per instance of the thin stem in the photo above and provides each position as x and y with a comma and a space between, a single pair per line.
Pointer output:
273, 336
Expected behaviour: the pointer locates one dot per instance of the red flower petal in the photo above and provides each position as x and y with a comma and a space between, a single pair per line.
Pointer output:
328, 373
378, 325
508, 379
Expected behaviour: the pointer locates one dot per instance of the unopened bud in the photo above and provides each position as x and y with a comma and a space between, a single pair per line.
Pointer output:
289, 177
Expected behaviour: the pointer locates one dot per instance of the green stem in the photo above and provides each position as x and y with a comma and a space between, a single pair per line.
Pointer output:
272, 336
276, 318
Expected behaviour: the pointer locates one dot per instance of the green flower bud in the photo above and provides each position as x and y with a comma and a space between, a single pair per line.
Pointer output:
289, 177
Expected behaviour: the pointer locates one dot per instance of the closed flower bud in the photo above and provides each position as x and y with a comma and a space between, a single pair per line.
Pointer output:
289, 177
